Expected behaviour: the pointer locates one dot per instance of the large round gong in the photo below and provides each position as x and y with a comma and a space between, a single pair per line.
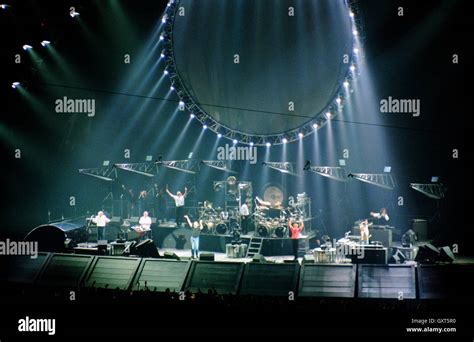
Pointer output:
262, 67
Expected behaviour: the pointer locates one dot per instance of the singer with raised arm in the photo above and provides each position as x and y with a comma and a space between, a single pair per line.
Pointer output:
382, 215
364, 231
295, 230
196, 227
179, 202
101, 221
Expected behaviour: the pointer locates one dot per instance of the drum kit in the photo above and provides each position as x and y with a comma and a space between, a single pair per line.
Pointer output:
217, 220
272, 219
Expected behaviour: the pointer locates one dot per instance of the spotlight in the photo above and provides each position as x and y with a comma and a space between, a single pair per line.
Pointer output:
15, 84
162, 55
301, 135
251, 143
315, 126
27, 47
356, 50
351, 14
204, 127
172, 88
346, 84
4, 6
219, 135
355, 33
181, 103
45, 42
352, 68
285, 140
162, 37
235, 141
165, 17
166, 72
74, 14
192, 116
338, 100
328, 115
268, 144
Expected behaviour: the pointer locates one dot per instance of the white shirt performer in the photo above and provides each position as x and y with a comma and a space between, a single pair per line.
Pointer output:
145, 222
101, 221
381, 214
179, 202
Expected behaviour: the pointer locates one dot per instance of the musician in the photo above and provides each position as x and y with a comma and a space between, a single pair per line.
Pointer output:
159, 203
101, 221
179, 202
364, 232
142, 200
196, 227
295, 230
244, 216
381, 215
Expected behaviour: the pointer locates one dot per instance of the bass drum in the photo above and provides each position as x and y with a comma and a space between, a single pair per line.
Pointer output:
207, 227
280, 231
221, 228
263, 231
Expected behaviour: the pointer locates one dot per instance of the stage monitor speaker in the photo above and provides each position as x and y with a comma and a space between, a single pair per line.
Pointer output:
171, 255
147, 249
446, 254
206, 256
319, 280
22, 269
387, 281
270, 279
427, 254
308, 259
160, 275
397, 258
259, 258
224, 277
370, 255
112, 272
65, 270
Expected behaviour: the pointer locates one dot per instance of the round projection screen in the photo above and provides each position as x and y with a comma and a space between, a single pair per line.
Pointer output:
261, 67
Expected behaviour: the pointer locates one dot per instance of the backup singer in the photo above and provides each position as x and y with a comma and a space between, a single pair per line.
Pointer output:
101, 221
196, 227
179, 202
295, 229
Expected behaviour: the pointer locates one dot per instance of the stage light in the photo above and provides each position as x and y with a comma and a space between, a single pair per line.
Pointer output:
338, 100
346, 84
328, 115
285, 140
27, 47
315, 126
268, 144
45, 42
74, 14
165, 17
166, 72
251, 143
4, 6
162, 55
351, 14
301, 135
172, 88
15, 84
352, 68
162, 37
219, 135
235, 141
356, 50
181, 103
192, 116
355, 33
204, 127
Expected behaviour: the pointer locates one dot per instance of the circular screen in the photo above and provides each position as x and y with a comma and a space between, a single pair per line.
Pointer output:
262, 67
